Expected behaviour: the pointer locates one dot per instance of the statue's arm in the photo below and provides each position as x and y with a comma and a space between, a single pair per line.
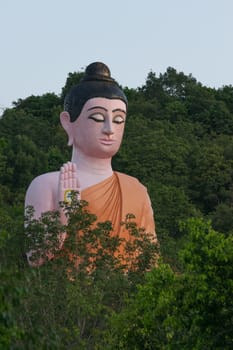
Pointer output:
41, 195
46, 192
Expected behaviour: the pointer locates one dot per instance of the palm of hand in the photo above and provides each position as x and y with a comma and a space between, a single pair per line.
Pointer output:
68, 182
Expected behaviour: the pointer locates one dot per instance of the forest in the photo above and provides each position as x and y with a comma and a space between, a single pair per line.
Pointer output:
179, 143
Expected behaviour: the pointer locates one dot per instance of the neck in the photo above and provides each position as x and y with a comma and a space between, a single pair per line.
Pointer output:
91, 170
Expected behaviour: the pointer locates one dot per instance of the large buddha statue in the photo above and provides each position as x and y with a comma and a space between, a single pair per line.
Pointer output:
94, 119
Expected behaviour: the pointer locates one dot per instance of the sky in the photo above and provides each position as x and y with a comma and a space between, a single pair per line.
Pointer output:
43, 40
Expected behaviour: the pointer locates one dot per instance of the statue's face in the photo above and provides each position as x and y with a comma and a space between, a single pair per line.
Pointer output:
98, 130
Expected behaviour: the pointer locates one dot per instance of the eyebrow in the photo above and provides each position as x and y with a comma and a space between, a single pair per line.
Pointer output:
105, 109
119, 110
95, 107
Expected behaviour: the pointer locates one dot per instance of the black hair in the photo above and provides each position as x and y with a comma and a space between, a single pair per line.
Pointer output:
97, 82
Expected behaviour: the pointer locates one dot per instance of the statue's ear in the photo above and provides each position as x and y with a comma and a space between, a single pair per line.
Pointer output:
67, 126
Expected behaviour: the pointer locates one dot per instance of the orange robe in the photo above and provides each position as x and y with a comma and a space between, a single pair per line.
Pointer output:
114, 198
117, 196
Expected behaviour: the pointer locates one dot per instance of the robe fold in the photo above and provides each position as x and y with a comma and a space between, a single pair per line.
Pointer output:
117, 196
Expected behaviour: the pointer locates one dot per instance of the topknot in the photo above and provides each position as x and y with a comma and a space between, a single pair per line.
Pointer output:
98, 71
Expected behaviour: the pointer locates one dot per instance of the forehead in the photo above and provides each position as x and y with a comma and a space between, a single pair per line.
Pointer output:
106, 103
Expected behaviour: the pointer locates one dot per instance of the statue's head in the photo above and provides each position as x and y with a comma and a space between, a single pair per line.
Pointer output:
97, 82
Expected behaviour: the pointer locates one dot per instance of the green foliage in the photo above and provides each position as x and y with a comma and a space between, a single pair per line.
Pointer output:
188, 310
10, 294
207, 288
38, 106
211, 176
72, 79
142, 323
222, 218
11, 289
91, 271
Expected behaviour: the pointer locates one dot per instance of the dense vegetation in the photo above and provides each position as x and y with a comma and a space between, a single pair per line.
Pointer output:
179, 143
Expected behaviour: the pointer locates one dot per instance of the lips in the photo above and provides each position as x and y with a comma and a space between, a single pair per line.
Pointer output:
107, 142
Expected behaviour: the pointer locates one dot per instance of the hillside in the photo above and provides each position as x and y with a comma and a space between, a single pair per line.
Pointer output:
179, 143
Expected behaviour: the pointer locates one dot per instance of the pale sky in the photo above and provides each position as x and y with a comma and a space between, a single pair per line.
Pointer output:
43, 40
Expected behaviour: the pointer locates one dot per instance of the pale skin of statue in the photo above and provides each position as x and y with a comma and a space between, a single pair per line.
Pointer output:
95, 136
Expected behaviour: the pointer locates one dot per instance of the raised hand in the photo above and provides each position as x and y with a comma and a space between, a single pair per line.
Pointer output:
68, 181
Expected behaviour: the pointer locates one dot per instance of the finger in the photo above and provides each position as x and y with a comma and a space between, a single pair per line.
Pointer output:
61, 177
74, 167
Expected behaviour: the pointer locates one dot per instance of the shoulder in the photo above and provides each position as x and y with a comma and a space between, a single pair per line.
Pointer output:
42, 193
130, 182
44, 185
47, 180
128, 178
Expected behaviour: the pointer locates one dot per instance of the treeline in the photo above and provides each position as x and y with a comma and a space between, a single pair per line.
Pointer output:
178, 142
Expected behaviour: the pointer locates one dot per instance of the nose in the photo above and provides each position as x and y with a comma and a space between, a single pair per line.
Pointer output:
108, 127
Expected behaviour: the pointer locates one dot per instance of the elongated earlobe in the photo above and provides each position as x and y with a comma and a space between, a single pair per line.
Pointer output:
66, 124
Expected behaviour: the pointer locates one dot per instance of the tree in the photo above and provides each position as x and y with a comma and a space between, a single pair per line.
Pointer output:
72, 79
192, 309
69, 298
210, 176
206, 308
175, 84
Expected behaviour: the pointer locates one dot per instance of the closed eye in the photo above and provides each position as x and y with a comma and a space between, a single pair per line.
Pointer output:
98, 118
118, 119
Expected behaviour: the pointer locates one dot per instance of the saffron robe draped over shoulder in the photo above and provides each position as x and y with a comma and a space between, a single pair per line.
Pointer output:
117, 196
